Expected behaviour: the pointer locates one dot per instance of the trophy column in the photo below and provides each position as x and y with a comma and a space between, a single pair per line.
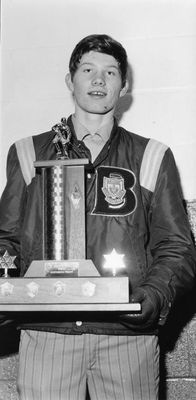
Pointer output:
63, 209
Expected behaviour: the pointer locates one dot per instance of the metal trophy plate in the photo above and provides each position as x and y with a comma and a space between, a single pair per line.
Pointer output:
64, 279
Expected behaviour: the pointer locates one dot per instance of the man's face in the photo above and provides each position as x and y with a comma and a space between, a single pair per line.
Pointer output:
97, 83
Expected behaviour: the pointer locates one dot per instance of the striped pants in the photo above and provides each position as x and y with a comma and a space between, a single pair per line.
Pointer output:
59, 367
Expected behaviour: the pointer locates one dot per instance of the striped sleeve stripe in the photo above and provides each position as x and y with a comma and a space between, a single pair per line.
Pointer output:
26, 155
152, 158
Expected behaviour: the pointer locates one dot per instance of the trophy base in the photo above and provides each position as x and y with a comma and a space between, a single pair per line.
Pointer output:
67, 285
64, 290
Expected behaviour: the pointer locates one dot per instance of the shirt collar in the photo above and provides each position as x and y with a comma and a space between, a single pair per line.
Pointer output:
81, 131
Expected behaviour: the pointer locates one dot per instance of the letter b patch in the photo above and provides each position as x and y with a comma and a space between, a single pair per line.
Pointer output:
114, 192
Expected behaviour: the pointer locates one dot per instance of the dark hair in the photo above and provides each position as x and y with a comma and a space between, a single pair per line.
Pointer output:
101, 44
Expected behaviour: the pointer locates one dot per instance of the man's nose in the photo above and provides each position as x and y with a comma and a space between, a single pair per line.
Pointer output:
99, 79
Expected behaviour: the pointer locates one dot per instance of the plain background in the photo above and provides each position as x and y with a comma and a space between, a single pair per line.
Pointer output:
38, 36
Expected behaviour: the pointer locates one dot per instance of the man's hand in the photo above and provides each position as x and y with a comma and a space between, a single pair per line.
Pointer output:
150, 301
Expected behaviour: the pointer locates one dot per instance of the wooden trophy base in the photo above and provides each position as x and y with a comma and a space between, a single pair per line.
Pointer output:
72, 285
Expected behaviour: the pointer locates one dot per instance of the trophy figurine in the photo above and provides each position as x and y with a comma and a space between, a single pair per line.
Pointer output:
61, 139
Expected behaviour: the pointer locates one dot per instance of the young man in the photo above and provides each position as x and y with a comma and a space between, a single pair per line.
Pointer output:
133, 205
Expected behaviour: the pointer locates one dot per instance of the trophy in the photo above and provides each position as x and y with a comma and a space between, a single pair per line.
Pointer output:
64, 280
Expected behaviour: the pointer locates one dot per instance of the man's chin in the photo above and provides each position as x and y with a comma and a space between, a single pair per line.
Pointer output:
102, 111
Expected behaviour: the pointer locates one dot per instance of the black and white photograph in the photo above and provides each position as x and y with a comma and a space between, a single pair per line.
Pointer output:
98, 200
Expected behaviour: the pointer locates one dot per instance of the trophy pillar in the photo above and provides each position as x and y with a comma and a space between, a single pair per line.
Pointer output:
63, 209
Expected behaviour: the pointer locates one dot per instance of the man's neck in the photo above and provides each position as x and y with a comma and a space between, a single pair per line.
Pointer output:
93, 122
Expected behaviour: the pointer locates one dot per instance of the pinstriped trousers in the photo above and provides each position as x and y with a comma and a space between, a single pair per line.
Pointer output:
58, 367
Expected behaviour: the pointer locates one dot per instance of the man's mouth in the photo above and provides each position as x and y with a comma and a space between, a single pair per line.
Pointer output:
97, 93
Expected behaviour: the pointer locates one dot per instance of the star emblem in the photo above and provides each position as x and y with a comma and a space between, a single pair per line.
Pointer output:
114, 261
7, 261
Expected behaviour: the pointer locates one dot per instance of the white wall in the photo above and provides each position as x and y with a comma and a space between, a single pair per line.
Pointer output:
160, 38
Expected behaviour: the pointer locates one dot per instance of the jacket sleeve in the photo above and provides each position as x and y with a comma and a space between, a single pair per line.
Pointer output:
12, 205
173, 254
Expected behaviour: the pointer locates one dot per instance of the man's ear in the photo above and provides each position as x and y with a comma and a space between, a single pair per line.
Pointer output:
69, 82
124, 89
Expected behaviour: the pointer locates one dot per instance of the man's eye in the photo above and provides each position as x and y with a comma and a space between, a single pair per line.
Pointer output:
87, 70
111, 73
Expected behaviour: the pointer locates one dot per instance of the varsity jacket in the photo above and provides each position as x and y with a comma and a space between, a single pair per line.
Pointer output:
133, 205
